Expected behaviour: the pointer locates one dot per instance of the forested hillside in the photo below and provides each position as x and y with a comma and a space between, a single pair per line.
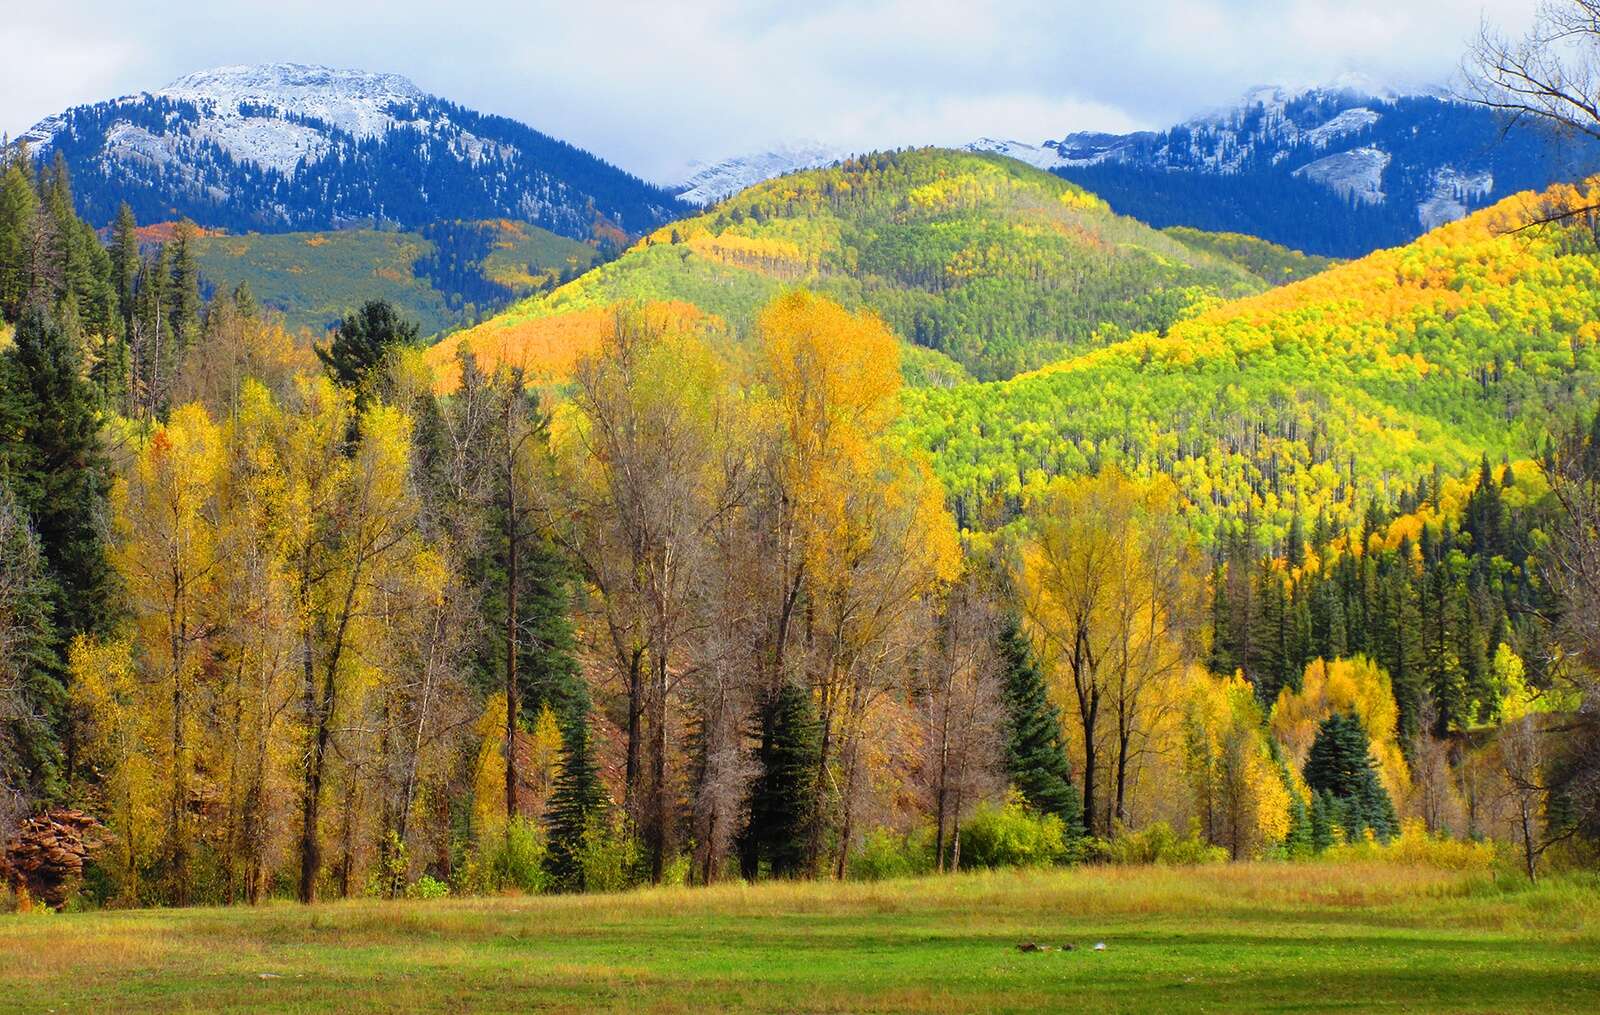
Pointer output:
283, 617
444, 275
979, 258
1308, 398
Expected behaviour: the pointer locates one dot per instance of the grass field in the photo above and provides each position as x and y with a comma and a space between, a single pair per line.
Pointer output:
1242, 938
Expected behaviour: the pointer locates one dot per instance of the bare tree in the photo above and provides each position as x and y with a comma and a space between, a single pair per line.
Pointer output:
1549, 77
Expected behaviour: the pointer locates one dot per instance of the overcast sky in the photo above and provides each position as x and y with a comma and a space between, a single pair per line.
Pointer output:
654, 86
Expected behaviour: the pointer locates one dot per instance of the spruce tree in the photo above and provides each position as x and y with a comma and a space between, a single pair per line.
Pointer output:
1036, 758
783, 797
185, 289
578, 795
1340, 764
31, 688
51, 455
361, 346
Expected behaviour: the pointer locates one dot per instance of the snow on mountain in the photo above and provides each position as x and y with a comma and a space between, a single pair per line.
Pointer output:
285, 145
1356, 174
710, 184
1038, 156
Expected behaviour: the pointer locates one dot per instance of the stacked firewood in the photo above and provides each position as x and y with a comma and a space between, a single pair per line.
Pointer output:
47, 854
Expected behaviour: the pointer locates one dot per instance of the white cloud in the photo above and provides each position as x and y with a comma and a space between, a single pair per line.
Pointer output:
654, 85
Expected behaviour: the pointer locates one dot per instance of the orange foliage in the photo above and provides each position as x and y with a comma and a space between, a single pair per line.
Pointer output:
545, 349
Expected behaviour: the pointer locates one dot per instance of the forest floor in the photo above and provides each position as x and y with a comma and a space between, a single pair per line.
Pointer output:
1252, 937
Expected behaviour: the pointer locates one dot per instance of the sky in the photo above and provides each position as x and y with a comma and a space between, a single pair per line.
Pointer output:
657, 86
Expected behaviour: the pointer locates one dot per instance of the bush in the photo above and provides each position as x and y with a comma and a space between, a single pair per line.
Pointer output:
427, 887
610, 856
1415, 847
1010, 836
887, 854
1159, 844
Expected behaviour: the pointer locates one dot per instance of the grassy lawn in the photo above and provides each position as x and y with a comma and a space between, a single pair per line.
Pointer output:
1244, 938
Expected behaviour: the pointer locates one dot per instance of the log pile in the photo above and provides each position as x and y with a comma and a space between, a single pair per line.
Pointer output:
47, 854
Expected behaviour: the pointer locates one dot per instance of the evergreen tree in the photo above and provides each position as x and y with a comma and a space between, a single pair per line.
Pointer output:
185, 289
51, 454
578, 796
1036, 757
361, 346
125, 263
1340, 764
783, 797
18, 203
31, 688
1323, 821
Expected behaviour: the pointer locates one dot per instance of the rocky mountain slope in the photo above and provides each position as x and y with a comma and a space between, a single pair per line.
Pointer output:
284, 147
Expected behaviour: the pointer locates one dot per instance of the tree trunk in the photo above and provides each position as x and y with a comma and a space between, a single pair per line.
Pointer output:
513, 695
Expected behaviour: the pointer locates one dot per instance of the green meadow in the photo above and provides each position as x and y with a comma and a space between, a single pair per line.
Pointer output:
1245, 938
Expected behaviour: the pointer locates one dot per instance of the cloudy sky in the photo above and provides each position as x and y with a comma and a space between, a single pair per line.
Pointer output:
654, 86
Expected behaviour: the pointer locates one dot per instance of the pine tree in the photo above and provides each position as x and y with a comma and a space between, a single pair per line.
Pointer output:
1340, 764
783, 797
362, 345
1036, 757
125, 263
51, 452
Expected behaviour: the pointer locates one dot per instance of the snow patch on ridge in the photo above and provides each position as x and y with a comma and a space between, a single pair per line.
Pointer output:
710, 184
1357, 173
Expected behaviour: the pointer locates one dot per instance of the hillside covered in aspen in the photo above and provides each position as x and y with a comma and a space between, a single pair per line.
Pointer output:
975, 258
1472, 340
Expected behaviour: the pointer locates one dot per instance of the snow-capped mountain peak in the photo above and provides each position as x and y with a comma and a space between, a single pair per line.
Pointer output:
354, 101
711, 183
285, 145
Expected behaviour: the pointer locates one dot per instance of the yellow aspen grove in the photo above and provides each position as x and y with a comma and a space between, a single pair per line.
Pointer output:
1239, 794
169, 554
1105, 578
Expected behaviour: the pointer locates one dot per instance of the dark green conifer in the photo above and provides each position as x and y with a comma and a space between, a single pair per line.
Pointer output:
783, 798
1036, 758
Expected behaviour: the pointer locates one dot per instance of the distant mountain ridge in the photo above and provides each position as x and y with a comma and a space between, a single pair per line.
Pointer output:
281, 147
1336, 170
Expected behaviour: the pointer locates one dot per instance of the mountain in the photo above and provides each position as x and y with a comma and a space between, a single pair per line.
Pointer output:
710, 184
443, 275
1469, 341
286, 147
985, 265
1339, 171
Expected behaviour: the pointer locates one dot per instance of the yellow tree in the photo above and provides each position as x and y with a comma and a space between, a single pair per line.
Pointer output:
1239, 793
168, 555
117, 734
856, 525
1106, 582
637, 453
346, 515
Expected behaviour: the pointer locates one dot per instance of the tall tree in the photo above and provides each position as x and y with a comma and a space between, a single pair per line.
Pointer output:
1036, 757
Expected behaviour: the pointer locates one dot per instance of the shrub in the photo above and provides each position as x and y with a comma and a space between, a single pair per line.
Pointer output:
886, 854
1415, 847
427, 887
1009, 836
610, 855
1159, 844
